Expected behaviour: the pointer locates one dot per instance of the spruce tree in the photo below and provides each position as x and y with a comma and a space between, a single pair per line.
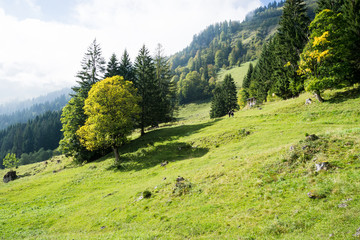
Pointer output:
166, 86
334, 5
148, 89
229, 91
73, 116
247, 78
352, 17
112, 67
293, 35
224, 98
126, 68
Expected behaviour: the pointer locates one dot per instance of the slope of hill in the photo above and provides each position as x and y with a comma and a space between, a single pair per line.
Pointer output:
252, 176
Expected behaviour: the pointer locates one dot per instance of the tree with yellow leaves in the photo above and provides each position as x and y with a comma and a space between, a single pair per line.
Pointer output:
324, 60
111, 107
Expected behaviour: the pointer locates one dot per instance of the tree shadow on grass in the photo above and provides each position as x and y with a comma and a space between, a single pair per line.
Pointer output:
155, 155
341, 96
152, 148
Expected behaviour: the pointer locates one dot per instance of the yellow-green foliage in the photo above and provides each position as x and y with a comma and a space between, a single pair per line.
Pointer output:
10, 160
112, 106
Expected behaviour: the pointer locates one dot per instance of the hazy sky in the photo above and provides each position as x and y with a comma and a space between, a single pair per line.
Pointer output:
43, 41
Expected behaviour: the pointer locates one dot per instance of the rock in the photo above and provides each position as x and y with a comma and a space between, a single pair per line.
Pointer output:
164, 163
10, 176
304, 147
308, 101
312, 137
311, 195
180, 179
342, 205
291, 148
164, 178
357, 234
58, 161
322, 166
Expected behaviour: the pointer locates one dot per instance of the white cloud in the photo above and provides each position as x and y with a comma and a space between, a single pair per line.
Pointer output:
38, 56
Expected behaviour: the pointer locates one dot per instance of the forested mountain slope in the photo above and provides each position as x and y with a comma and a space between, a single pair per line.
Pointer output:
224, 45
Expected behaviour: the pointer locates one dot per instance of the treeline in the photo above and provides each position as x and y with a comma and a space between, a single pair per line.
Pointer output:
308, 55
36, 139
150, 75
22, 116
221, 45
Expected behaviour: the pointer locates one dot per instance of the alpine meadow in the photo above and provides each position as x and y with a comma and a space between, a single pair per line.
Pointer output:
250, 132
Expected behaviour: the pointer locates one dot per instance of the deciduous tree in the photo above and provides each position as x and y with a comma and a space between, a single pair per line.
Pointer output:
111, 107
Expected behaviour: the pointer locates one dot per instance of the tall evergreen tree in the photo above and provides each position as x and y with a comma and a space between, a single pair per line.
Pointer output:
230, 93
73, 116
148, 89
112, 68
92, 67
126, 68
352, 17
166, 86
293, 35
334, 5
247, 78
224, 98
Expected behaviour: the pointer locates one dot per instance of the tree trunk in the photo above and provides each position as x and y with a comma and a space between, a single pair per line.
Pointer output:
318, 96
116, 153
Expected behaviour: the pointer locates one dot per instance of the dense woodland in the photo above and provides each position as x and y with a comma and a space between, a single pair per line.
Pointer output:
296, 50
36, 138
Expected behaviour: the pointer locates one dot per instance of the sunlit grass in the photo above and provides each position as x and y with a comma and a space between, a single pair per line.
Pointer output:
245, 182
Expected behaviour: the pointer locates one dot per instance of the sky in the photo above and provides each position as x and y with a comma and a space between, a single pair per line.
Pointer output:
43, 41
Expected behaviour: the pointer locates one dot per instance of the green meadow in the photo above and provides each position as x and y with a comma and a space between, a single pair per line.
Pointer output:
251, 176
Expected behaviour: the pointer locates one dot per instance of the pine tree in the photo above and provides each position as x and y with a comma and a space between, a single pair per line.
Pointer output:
113, 68
148, 89
126, 68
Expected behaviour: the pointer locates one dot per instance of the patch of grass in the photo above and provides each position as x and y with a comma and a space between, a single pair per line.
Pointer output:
237, 185
238, 73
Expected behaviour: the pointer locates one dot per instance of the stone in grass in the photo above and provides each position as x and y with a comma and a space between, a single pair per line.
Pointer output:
357, 234
10, 176
322, 166
312, 137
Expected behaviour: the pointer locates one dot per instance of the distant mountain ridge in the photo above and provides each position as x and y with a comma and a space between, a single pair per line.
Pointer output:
14, 106
22, 112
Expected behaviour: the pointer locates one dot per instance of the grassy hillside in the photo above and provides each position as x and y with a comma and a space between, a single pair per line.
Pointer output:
238, 73
246, 177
